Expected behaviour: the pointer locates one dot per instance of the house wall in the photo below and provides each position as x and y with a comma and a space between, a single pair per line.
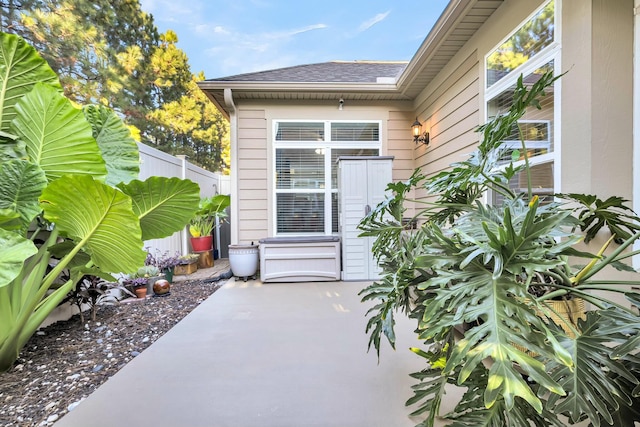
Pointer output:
255, 152
594, 148
595, 143
251, 175
452, 106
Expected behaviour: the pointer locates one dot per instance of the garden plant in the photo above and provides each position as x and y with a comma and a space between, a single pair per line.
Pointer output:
480, 280
70, 200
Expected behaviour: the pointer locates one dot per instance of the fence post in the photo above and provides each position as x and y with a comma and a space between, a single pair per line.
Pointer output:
184, 233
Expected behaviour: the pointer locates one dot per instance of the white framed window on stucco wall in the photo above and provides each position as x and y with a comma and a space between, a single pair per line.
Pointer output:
531, 49
305, 154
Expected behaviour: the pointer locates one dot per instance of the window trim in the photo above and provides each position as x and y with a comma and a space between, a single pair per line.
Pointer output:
326, 144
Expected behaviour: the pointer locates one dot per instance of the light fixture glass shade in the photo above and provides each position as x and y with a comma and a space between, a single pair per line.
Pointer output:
416, 128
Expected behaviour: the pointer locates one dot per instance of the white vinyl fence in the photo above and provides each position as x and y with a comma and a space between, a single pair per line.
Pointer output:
157, 163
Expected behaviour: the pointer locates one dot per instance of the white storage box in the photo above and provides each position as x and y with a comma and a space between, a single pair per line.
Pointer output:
300, 259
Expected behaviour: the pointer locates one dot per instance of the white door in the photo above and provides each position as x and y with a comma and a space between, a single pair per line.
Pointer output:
362, 183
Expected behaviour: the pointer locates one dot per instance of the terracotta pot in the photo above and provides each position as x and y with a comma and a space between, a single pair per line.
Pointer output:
202, 244
161, 287
141, 292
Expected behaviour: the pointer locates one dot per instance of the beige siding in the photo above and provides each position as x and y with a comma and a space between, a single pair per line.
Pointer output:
450, 110
400, 144
252, 175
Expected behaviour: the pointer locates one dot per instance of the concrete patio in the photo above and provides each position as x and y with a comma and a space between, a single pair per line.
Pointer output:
278, 354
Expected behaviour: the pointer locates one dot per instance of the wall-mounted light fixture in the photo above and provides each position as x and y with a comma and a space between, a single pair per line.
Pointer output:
340, 104
418, 135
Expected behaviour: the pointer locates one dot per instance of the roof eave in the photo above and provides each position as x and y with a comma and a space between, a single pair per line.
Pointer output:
451, 18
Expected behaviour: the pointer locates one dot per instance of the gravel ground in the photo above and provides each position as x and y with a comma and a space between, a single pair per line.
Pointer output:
64, 363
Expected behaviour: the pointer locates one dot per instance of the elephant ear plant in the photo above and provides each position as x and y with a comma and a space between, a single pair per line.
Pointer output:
480, 281
69, 198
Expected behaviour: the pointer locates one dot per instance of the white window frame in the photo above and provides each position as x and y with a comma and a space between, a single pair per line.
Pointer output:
636, 119
327, 145
546, 55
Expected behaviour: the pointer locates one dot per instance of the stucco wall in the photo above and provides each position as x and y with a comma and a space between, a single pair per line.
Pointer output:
597, 125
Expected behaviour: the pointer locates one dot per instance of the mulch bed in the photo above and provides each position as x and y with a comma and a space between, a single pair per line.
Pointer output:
64, 363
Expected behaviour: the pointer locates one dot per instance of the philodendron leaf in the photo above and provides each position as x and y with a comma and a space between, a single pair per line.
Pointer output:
21, 183
98, 218
57, 135
119, 149
596, 386
21, 67
14, 250
164, 205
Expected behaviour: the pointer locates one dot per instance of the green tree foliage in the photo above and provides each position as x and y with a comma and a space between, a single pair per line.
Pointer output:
192, 125
109, 52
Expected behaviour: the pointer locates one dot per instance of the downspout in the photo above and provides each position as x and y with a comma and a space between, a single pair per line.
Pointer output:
184, 234
636, 117
233, 141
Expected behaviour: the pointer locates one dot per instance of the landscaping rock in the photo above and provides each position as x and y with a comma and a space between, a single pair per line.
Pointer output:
65, 363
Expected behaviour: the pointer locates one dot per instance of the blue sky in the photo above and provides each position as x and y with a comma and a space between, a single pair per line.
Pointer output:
240, 36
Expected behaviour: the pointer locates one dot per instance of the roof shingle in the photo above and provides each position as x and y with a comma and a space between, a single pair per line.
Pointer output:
325, 72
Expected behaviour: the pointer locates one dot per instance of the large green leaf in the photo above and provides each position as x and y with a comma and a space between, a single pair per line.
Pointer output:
98, 218
21, 67
57, 135
11, 147
10, 220
21, 183
14, 250
119, 149
595, 386
164, 205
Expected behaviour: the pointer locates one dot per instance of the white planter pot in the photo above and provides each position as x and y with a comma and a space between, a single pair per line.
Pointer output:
243, 260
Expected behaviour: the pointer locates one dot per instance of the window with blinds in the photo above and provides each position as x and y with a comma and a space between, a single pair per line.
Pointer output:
535, 127
531, 47
299, 131
306, 183
355, 132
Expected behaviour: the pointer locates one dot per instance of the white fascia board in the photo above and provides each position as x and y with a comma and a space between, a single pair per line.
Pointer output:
298, 87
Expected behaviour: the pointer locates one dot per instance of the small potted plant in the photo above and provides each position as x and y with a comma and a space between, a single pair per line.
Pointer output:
138, 284
187, 264
164, 262
202, 224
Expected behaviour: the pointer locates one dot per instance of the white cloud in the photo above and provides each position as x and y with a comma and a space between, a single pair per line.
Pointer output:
373, 21
241, 52
291, 33
171, 11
